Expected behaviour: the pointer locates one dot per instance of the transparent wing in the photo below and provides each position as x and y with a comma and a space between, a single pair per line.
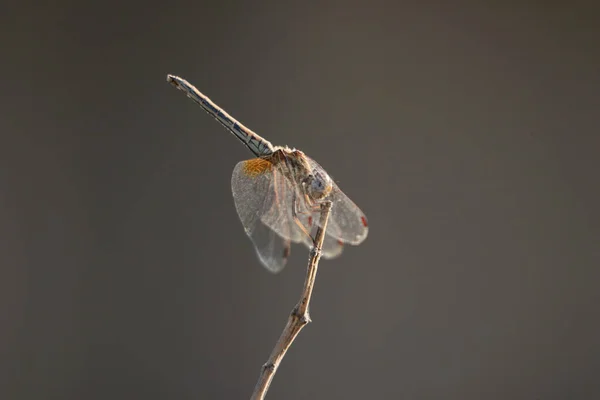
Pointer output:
280, 216
332, 247
272, 250
260, 194
347, 222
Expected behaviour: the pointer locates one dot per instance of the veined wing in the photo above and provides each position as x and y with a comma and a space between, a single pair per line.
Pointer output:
332, 247
272, 250
263, 200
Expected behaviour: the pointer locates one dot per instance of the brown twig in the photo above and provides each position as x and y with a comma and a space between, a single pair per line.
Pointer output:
299, 316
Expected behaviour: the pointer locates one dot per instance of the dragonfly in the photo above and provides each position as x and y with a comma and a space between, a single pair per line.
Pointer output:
277, 194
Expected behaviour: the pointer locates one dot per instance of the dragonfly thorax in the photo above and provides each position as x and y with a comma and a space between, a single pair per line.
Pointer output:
316, 183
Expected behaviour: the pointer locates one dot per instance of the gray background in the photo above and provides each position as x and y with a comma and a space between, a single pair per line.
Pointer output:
468, 135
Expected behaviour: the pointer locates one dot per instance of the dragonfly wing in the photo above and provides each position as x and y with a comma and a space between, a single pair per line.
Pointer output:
272, 250
332, 247
348, 223
280, 216
255, 185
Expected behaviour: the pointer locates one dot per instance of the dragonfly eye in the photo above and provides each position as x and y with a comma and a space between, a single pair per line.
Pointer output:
319, 185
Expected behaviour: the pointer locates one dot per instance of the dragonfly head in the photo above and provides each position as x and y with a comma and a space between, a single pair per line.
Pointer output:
318, 185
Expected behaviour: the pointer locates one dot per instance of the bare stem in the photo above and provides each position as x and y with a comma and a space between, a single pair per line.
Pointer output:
299, 316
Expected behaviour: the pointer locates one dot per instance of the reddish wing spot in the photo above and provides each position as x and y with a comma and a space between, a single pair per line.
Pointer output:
364, 221
286, 251
310, 221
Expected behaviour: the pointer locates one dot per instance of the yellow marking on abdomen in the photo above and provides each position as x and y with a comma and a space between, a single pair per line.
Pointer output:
257, 166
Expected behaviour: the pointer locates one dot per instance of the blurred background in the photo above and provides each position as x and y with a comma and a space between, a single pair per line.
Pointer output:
467, 133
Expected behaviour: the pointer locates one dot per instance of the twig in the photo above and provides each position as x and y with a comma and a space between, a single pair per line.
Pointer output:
299, 316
